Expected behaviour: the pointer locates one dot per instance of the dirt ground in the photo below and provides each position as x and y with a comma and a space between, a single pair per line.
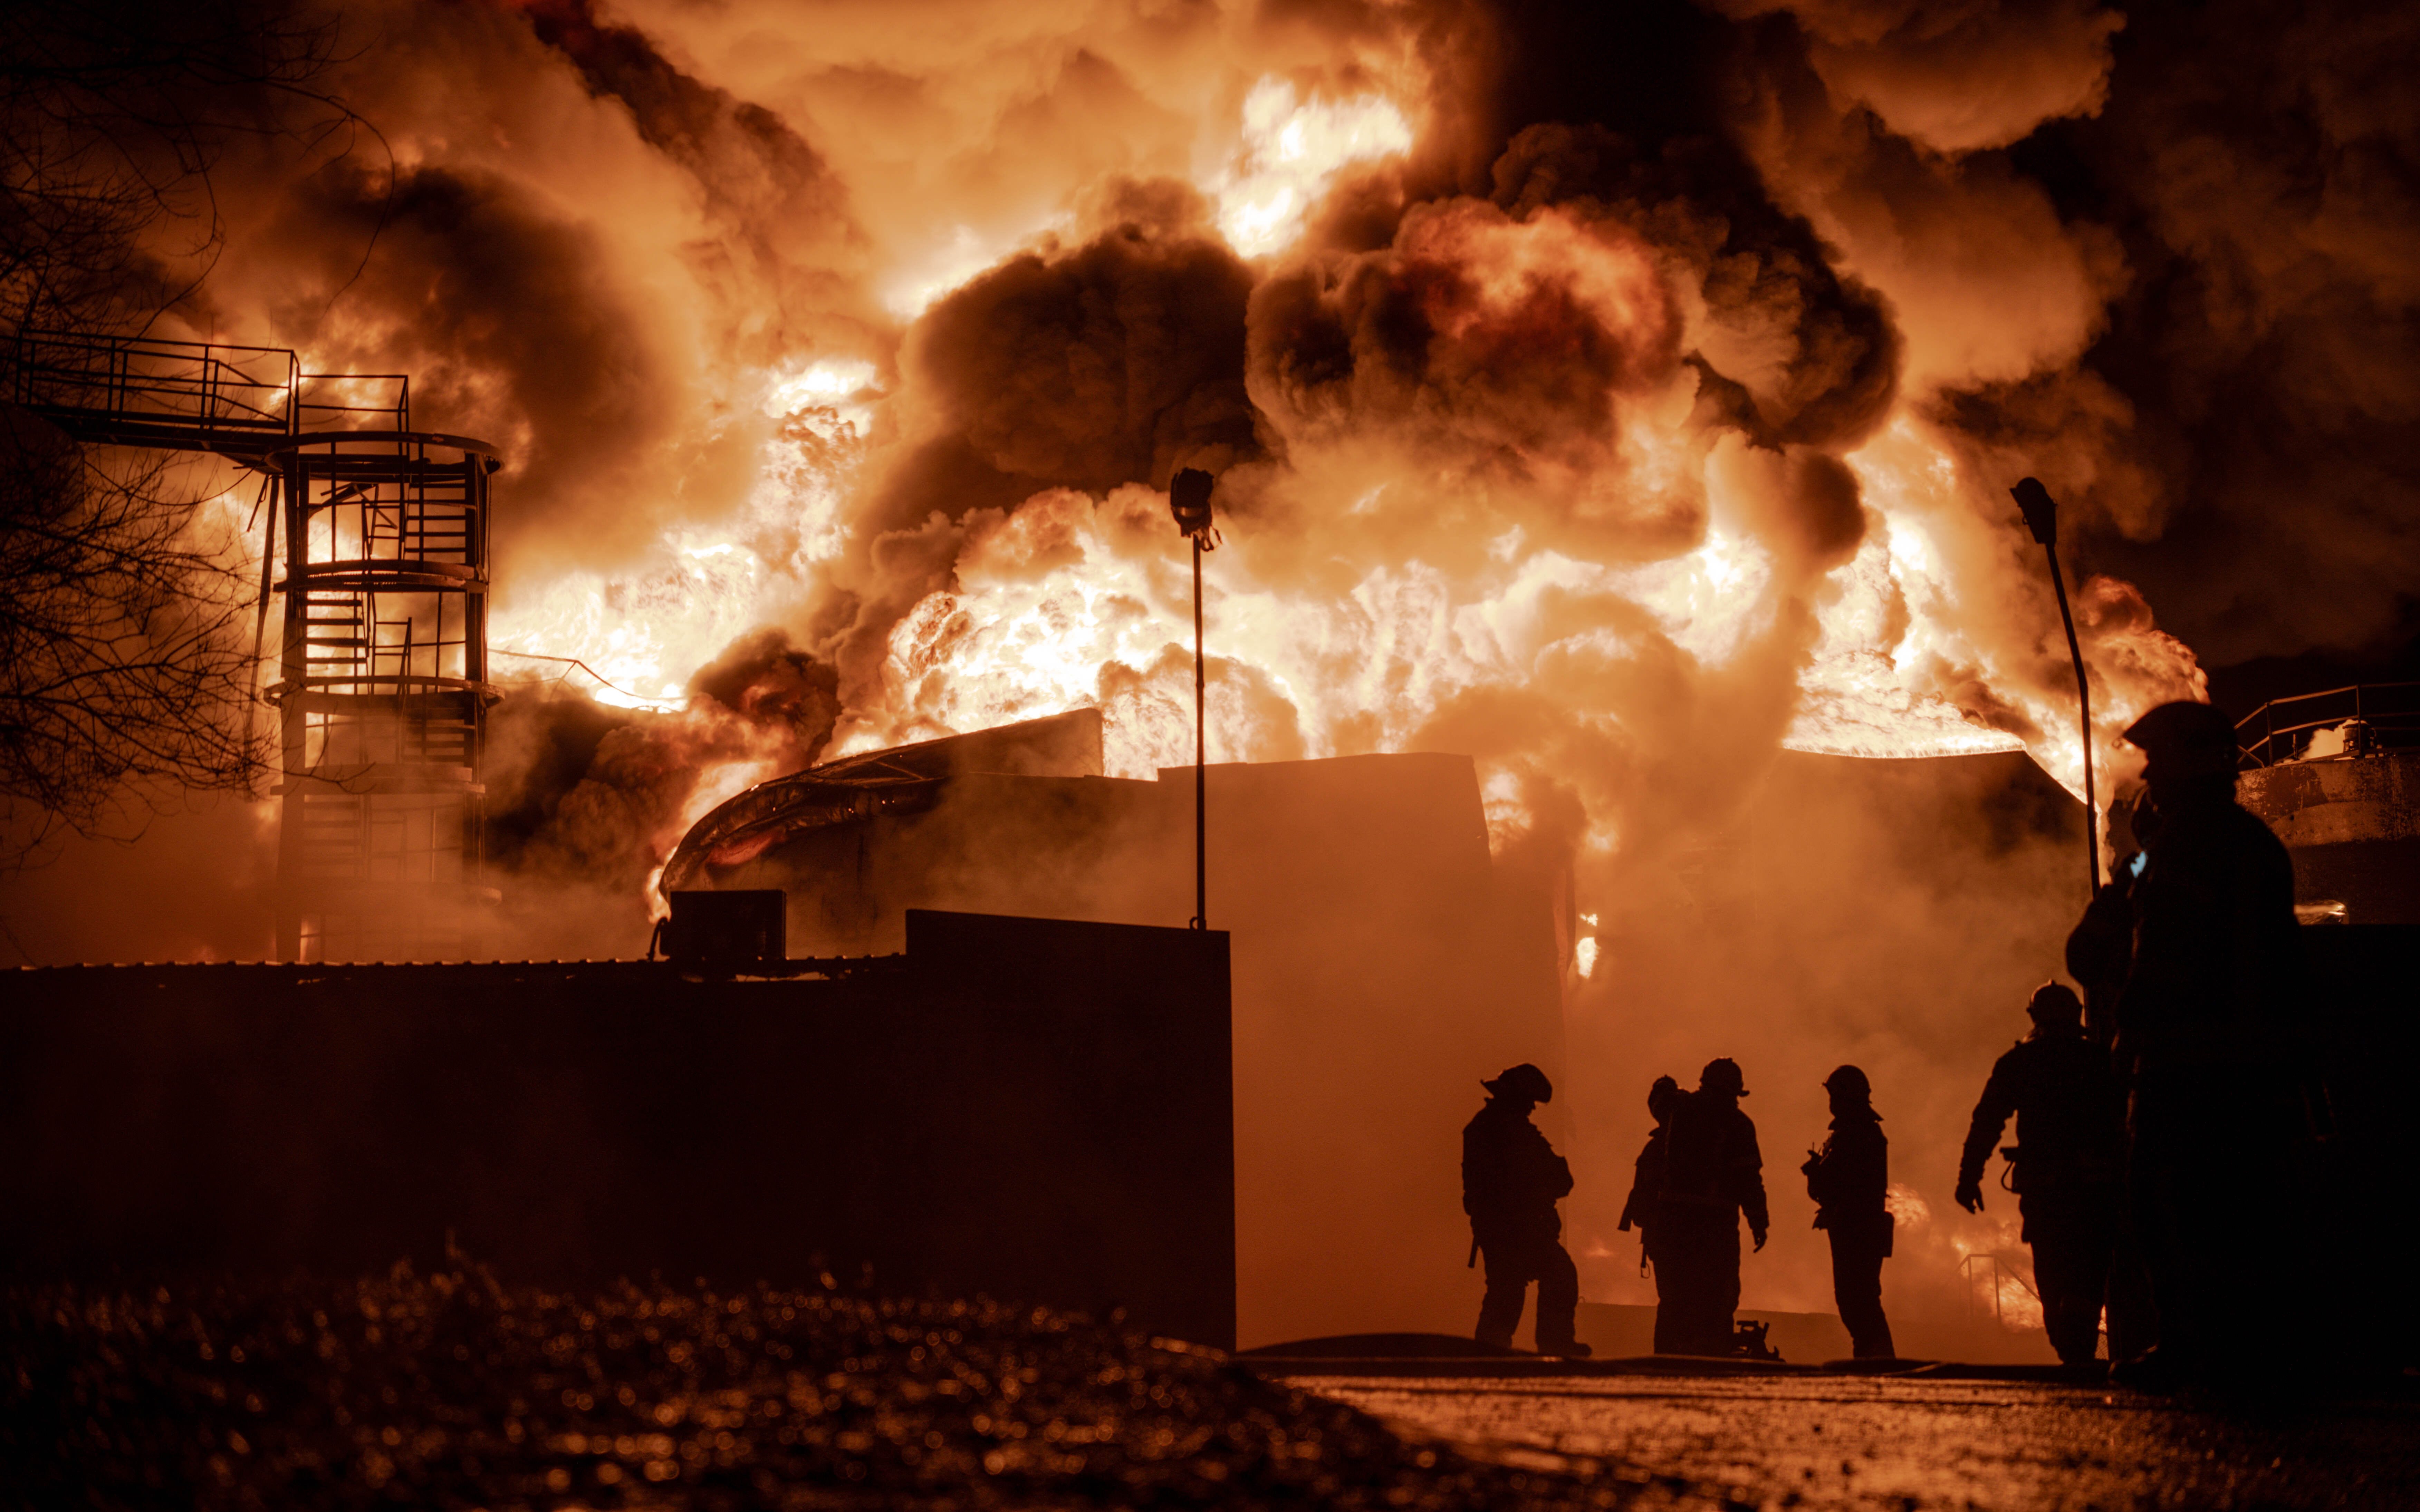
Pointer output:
456, 1391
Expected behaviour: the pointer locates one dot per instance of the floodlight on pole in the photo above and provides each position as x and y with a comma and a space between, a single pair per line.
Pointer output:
2041, 517
1188, 500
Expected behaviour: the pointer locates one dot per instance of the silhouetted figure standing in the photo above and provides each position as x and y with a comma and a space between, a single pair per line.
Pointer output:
1713, 1174
1643, 1210
1511, 1182
1848, 1179
2058, 1086
2205, 948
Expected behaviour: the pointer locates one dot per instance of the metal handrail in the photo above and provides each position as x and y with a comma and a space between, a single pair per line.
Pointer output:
2258, 735
2000, 1269
205, 389
202, 381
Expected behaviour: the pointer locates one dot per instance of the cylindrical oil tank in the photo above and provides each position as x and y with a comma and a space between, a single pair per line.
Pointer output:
2352, 823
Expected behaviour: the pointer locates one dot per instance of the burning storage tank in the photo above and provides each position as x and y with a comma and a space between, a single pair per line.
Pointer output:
1382, 961
2337, 776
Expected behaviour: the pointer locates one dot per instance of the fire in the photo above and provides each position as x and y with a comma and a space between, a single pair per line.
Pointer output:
951, 259
1285, 154
1995, 1268
645, 632
1417, 552
1291, 154
830, 394
641, 634
1110, 627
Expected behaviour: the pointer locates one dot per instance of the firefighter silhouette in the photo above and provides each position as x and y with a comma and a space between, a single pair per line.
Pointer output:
1712, 1176
1642, 1211
1848, 1179
2065, 1166
2201, 955
1510, 1180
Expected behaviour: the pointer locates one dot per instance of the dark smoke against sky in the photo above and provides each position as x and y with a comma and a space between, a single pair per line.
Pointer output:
1803, 257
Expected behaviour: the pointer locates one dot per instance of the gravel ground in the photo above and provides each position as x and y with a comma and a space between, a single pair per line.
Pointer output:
451, 1390
1896, 1444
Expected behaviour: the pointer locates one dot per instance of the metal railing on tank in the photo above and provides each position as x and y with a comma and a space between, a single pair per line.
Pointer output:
2367, 717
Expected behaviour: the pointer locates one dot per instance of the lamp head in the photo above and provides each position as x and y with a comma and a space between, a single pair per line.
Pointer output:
1188, 500
2040, 509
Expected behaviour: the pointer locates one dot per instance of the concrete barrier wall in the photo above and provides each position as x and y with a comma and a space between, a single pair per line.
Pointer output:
1034, 1109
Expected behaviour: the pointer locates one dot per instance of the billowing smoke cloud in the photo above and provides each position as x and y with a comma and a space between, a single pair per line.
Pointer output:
2170, 295
584, 801
2258, 173
1106, 365
496, 307
1954, 77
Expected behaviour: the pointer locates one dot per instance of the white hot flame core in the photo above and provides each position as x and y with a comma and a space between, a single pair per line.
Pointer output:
646, 630
955, 259
1292, 152
642, 633
1109, 625
840, 384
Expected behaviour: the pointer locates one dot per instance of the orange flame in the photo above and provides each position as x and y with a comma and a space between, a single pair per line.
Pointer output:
1379, 585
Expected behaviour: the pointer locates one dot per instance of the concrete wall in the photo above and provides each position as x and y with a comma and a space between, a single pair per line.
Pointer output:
1030, 1108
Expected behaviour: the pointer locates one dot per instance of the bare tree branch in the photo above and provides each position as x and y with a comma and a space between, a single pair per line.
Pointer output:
125, 658
126, 662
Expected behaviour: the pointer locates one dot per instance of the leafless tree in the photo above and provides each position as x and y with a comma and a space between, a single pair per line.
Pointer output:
125, 636
126, 665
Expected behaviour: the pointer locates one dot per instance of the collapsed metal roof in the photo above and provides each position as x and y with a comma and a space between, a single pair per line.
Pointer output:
902, 780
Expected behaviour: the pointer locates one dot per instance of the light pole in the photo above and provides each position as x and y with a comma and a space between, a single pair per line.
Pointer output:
2042, 519
1188, 500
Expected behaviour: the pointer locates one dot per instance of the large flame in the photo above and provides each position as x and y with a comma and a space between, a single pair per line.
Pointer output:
641, 634
1075, 601
1293, 675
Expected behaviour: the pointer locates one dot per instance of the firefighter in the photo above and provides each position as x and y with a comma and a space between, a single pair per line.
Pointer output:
1848, 1179
1714, 1173
1642, 1212
2067, 1175
2203, 954
1511, 1182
